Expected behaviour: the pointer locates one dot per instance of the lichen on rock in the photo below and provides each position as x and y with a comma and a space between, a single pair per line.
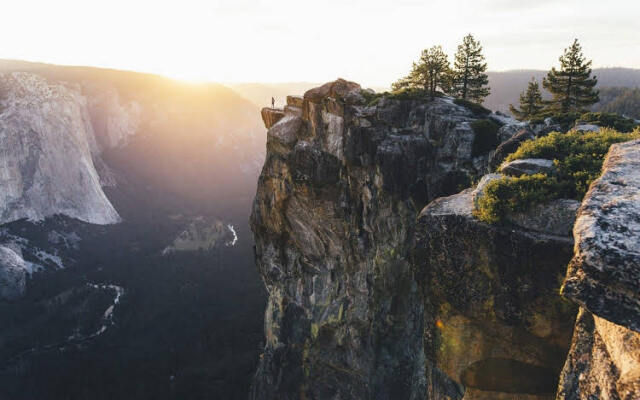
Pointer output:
603, 277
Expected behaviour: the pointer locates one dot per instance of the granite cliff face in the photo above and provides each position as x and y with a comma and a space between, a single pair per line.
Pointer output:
65, 133
47, 147
366, 301
333, 221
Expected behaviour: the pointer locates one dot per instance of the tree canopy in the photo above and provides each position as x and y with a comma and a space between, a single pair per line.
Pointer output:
468, 78
428, 73
531, 103
571, 86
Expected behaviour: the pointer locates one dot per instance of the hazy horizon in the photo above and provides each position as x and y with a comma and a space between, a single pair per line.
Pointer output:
265, 83
288, 41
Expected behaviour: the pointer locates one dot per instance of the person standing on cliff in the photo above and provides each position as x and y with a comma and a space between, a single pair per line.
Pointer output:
273, 102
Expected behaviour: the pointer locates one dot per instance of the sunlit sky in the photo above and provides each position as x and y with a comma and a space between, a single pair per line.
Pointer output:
369, 41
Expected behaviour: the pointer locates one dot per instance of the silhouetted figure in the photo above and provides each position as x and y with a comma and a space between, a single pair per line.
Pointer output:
273, 102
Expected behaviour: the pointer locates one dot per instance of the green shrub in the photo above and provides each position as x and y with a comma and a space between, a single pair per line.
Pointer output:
486, 136
608, 120
402, 94
475, 108
578, 158
510, 195
565, 120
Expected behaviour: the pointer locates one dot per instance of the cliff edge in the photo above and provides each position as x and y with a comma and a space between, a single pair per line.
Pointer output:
604, 278
333, 219
369, 297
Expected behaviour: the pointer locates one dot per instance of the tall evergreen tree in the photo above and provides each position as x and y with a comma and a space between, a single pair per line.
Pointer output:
428, 73
572, 86
468, 78
531, 102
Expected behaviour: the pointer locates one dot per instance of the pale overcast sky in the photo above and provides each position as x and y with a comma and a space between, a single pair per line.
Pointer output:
370, 41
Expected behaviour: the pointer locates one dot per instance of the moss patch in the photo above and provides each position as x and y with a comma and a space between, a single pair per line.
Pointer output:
578, 158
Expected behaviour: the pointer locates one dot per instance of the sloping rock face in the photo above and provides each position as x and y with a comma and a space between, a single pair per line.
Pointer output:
13, 272
333, 221
495, 325
46, 147
114, 119
528, 166
604, 278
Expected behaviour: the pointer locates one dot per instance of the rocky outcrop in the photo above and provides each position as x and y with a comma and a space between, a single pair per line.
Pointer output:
527, 166
203, 234
509, 146
47, 145
602, 363
603, 277
495, 324
333, 221
555, 217
586, 128
365, 301
13, 274
271, 116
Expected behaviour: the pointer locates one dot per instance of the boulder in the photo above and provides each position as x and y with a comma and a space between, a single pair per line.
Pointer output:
527, 166
478, 192
604, 275
270, 116
509, 146
509, 126
295, 101
586, 128
604, 278
285, 133
339, 89
555, 217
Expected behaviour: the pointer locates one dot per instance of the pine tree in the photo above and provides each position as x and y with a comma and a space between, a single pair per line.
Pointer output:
468, 78
572, 87
428, 73
531, 103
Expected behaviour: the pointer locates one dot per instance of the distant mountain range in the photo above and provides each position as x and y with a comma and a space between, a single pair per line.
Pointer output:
506, 86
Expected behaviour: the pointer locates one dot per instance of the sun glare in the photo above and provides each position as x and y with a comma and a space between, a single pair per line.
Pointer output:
187, 76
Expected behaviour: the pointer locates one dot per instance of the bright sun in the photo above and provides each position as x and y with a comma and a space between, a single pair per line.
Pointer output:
186, 75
